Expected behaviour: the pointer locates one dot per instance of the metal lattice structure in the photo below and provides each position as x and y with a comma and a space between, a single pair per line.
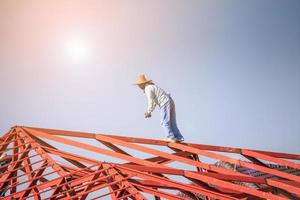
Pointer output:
54, 164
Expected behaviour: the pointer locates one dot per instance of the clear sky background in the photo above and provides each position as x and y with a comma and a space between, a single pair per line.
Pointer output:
232, 67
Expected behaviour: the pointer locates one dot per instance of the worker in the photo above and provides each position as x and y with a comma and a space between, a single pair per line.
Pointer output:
157, 96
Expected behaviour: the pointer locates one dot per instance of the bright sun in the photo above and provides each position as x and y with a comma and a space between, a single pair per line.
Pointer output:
76, 50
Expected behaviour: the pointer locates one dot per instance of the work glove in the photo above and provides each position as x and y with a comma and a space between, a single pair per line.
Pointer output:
147, 115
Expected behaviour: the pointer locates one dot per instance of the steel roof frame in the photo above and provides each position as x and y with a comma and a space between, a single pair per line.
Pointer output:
30, 170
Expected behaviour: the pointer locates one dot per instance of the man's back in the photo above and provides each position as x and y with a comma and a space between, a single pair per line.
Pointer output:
156, 94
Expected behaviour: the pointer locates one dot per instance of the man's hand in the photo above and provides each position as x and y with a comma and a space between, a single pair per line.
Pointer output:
147, 115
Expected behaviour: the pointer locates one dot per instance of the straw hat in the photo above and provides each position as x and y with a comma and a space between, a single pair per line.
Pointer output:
141, 79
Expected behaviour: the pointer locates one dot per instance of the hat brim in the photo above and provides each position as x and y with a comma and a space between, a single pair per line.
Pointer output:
140, 83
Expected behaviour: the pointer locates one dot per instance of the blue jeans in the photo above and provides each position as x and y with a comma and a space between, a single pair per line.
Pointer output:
168, 120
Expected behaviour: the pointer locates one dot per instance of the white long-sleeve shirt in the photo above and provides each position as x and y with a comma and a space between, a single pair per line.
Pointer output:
155, 96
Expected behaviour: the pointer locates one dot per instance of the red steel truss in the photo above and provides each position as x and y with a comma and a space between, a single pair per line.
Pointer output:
41, 163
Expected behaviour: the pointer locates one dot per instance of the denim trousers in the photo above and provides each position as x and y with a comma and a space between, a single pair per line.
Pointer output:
168, 120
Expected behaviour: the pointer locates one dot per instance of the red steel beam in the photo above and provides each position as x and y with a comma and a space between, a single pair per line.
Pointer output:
271, 159
163, 143
166, 155
91, 148
236, 162
175, 184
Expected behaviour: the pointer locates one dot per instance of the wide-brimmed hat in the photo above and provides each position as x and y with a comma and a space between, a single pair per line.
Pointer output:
141, 79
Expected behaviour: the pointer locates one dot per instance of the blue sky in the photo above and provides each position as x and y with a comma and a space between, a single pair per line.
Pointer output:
233, 68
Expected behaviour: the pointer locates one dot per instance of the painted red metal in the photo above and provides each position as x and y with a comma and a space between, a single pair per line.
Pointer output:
39, 163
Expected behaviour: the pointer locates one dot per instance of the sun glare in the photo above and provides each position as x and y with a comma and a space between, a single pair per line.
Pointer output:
76, 50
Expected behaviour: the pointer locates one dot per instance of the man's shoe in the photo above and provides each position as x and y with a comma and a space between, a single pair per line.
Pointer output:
169, 140
179, 140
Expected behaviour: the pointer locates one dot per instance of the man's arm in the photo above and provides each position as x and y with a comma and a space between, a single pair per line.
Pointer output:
151, 104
